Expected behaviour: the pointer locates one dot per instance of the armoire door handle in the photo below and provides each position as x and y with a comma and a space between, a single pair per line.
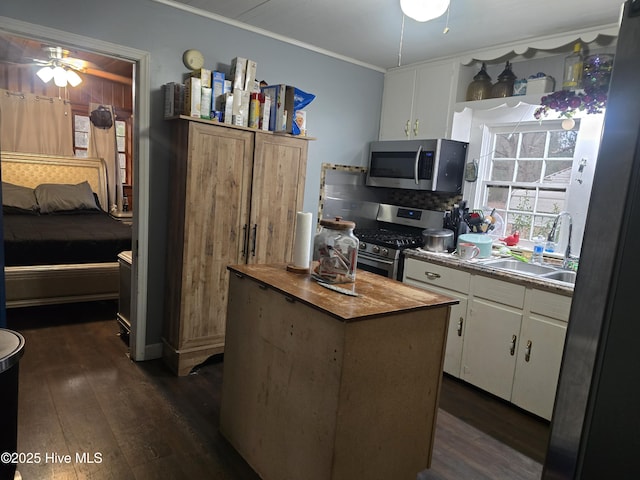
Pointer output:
245, 242
255, 237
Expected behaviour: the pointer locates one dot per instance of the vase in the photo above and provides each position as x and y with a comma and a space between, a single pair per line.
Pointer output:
597, 70
504, 86
480, 87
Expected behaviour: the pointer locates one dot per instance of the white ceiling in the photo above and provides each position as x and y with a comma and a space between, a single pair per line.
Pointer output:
368, 31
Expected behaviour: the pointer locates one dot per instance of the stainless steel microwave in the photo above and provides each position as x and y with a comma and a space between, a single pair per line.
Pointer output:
436, 165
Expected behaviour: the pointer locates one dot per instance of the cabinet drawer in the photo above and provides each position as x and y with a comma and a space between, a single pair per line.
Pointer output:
437, 275
550, 304
498, 291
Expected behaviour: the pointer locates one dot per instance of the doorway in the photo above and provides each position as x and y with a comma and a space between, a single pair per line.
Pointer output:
139, 151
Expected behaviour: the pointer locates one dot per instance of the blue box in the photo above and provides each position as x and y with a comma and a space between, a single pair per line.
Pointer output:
277, 117
217, 87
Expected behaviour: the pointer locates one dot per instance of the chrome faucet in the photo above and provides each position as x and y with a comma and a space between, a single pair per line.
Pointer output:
552, 236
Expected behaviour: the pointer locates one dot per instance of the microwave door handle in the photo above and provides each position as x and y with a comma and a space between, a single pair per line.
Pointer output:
415, 166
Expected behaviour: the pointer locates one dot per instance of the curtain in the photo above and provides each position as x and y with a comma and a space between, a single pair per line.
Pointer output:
35, 124
102, 144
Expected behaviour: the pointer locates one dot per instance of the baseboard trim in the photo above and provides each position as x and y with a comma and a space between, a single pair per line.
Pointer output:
153, 351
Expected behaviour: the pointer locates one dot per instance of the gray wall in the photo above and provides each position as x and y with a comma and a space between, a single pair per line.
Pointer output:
343, 117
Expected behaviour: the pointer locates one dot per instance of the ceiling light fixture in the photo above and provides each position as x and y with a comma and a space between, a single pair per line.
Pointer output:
424, 10
45, 74
59, 75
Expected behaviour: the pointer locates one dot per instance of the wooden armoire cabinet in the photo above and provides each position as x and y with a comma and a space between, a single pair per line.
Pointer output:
234, 197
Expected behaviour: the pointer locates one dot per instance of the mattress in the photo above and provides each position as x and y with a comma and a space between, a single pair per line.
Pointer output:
92, 237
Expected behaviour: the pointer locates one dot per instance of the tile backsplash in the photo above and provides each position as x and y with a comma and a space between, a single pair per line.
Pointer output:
420, 199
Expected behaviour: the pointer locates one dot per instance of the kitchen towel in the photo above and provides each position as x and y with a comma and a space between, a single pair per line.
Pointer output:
302, 240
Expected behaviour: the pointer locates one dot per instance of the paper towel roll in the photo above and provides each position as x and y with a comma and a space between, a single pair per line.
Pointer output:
302, 240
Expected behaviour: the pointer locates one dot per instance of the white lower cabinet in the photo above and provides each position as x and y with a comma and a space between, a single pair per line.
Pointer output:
504, 338
540, 352
491, 338
490, 346
453, 283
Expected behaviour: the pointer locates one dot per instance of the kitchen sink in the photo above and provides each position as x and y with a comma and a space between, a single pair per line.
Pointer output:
561, 275
520, 267
532, 269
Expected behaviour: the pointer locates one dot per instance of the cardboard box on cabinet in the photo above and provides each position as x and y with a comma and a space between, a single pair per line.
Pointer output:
241, 102
193, 97
204, 74
250, 75
205, 102
238, 73
265, 112
540, 85
277, 117
285, 102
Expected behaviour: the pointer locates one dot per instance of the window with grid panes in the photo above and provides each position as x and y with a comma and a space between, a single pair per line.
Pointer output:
528, 175
121, 142
81, 124
81, 137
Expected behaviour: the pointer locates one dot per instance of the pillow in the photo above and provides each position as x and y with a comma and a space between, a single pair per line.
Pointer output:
18, 199
54, 197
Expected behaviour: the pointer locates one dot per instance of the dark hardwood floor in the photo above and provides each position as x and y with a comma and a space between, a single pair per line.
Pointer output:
80, 395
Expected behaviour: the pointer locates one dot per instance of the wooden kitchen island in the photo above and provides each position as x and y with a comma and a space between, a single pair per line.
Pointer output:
319, 385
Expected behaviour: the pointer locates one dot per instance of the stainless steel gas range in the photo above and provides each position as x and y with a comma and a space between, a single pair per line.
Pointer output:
394, 229
384, 230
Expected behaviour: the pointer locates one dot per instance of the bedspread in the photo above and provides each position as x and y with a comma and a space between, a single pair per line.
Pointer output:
64, 239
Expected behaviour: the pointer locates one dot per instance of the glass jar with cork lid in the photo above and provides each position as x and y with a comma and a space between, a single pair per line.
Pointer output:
335, 251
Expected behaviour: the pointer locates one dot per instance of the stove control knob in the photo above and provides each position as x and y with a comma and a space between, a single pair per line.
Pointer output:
363, 246
375, 249
385, 252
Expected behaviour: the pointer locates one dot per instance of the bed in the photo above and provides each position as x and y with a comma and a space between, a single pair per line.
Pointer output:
64, 247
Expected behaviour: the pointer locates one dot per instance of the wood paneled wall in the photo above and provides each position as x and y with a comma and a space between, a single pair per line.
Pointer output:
22, 78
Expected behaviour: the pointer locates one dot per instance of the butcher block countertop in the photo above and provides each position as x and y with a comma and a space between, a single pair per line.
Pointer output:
377, 295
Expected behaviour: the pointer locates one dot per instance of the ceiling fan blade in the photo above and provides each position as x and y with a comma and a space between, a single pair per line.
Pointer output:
75, 63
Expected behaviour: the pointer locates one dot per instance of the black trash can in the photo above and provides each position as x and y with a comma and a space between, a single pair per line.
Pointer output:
11, 349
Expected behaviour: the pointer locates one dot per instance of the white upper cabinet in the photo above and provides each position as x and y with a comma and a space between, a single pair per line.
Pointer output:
397, 105
417, 101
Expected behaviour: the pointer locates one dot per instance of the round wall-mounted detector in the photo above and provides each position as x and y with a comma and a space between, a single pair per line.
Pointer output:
193, 59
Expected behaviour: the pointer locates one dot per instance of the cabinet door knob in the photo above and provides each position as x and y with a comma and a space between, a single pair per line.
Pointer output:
460, 327
512, 345
415, 127
406, 128
527, 351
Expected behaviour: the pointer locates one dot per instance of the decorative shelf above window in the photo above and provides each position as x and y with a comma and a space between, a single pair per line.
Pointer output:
602, 35
491, 103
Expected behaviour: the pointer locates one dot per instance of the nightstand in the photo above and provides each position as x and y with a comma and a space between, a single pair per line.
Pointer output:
124, 217
124, 300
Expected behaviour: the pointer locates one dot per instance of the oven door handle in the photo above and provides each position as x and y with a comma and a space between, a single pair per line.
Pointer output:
415, 165
385, 261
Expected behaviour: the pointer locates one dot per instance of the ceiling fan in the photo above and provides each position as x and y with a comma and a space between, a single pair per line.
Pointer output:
60, 67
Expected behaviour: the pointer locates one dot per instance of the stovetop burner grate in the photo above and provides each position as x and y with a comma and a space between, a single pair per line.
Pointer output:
390, 238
